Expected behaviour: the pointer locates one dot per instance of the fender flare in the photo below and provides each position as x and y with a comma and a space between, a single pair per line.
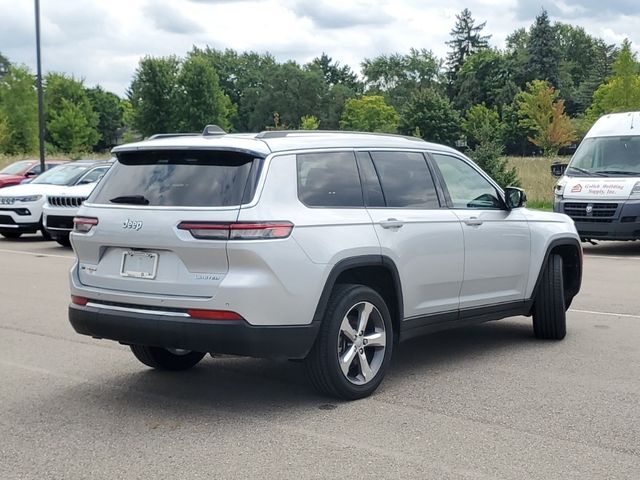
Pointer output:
559, 242
355, 262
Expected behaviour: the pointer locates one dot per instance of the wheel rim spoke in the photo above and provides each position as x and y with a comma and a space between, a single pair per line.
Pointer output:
347, 359
376, 339
347, 330
363, 318
365, 368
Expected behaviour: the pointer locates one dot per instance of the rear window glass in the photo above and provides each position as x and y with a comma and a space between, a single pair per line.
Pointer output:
179, 179
329, 179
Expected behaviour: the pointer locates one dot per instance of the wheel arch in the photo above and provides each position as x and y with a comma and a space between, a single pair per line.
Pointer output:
375, 271
570, 250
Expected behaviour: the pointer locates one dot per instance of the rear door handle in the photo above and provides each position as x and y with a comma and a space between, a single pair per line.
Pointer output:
391, 223
473, 221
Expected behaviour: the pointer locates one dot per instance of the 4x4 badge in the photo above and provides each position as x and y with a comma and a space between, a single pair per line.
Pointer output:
132, 224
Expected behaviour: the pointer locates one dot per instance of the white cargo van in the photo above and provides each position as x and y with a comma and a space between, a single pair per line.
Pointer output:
600, 188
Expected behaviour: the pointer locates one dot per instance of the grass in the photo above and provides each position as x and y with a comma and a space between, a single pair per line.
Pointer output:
535, 177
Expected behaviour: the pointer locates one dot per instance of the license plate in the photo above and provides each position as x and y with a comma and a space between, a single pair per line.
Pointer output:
139, 265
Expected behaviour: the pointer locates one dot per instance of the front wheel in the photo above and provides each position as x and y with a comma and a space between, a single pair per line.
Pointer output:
63, 240
166, 358
354, 345
549, 310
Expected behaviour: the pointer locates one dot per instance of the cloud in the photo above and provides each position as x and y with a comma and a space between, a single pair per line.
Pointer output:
171, 19
572, 9
330, 15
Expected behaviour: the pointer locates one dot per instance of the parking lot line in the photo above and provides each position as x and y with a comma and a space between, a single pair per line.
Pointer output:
610, 314
608, 257
37, 254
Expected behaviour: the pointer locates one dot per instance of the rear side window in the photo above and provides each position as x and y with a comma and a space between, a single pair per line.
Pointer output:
329, 180
405, 179
183, 178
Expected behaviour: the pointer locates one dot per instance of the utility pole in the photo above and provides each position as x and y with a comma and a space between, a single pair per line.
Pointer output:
39, 85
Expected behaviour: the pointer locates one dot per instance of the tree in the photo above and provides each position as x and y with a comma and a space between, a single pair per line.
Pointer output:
5, 64
69, 128
18, 112
543, 53
431, 116
369, 113
334, 73
67, 110
466, 40
290, 91
485, 77
396, 76
199, 100
483, 128
110, 112
309, 122
152, 95
622, 92
542, 113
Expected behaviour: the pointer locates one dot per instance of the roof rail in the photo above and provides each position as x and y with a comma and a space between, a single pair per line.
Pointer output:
210, 130
170, 135
285, 133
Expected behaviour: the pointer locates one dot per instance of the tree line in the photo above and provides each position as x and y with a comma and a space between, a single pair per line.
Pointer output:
539, 93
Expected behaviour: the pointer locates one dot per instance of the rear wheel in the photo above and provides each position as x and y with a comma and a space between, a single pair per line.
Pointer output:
354, 345
166, 358
11, 235
549, 312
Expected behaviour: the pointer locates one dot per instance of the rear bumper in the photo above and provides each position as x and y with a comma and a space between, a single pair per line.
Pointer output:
623, 224
215, 336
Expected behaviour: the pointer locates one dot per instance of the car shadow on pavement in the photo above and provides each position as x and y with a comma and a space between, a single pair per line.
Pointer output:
258, 386
617, 249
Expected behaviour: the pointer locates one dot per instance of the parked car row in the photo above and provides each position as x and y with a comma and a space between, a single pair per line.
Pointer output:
50, 201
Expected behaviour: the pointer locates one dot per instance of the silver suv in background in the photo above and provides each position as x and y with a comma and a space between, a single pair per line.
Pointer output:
327, 247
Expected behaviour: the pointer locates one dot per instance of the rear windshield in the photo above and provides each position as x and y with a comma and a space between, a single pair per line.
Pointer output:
179, 179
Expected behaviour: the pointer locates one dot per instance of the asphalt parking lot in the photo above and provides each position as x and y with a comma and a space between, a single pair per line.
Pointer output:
487, 401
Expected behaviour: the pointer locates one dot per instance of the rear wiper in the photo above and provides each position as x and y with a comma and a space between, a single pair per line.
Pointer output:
586, 172
619, 172
132, 199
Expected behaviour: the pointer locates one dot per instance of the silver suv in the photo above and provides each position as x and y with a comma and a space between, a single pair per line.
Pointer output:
327, 247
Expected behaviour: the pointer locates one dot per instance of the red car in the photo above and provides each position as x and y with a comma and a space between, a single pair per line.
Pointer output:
19, 171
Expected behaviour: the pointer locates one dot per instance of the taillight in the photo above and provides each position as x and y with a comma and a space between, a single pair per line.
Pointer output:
84, 224
237, 230
82, 301
213, 314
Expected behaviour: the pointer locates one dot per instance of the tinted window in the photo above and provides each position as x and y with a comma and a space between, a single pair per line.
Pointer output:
467, 188
329, 180
177, 178
405, 179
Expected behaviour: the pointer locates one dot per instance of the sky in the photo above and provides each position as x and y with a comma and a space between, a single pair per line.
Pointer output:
102, 41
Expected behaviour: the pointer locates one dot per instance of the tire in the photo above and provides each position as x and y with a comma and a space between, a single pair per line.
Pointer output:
45, 235
63, 240
373, 344
11, 235
163, 359
549, 310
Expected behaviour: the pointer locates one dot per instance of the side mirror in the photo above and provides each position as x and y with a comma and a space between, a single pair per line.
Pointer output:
557, 169
514, 197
